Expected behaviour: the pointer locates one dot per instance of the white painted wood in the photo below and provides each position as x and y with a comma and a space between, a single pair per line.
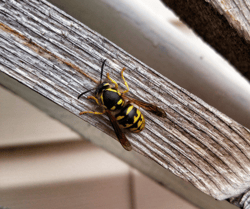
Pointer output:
79, 175
65, 175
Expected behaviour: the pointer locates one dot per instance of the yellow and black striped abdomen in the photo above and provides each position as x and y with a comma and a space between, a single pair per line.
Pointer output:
131, 118
112, 99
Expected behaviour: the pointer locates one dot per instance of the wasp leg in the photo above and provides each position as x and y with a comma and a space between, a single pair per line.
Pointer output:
113, 81
94, 98
96, 113
125, 82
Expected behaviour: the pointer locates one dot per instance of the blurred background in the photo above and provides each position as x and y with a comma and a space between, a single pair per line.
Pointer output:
46, 165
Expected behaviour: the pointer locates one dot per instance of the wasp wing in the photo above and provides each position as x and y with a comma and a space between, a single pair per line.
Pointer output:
119, 133
149, 107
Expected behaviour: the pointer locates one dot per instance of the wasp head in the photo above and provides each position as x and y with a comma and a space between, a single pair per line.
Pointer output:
101, 87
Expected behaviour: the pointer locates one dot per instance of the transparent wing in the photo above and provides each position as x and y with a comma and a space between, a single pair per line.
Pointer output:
149, 107
119, 133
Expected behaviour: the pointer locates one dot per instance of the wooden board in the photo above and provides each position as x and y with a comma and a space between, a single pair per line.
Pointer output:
58, 57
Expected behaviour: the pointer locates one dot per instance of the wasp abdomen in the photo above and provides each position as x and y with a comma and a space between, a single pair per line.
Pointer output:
131, 118
112, 99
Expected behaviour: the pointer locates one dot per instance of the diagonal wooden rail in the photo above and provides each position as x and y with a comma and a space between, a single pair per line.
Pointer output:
222, 24
58, 57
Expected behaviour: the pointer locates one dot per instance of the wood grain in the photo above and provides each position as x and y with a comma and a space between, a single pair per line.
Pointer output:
59, 57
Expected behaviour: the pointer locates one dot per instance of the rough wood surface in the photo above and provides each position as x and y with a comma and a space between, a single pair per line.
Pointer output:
58, 57
242, 200
237, 13
222, 24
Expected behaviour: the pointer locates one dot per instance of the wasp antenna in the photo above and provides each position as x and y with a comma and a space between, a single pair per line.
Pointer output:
84, 93
102, 70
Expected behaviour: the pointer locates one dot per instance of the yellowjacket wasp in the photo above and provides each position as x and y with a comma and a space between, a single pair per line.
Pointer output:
119, 108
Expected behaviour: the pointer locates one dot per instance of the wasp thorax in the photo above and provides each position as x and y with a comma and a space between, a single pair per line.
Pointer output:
101, 87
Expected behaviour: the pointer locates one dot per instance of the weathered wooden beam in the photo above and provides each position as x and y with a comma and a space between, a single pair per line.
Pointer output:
183, 58
222, 24
58, 57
